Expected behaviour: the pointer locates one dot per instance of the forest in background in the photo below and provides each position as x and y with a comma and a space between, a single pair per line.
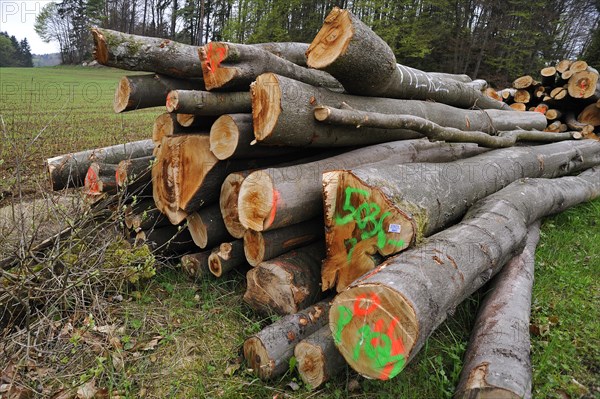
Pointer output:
14, 53
496, 40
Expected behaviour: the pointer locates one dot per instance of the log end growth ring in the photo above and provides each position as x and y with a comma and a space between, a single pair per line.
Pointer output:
224, 135
122, 99
266, 105
254, 247
257, 201
214, 265
228, 202
310, 359
257, 357
332, 40
375, 329
211, 56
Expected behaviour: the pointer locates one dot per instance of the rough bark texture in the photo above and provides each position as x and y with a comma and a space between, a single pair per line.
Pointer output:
287, 283
228, 256
365, 65
168, 240
235, 66
69, 170
269, 351
145, 91
497, 363
283, 114
145, 218
207, 228
141, 53
232, 137
385, 208
166, 124
281, 196
262, 246
384, 318
135, 175
195, 265
198, 102
291, 51
318, 358
431, 130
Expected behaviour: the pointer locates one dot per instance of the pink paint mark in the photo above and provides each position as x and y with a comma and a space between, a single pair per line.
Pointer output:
209, 57
359, 311
91, 181
276, 198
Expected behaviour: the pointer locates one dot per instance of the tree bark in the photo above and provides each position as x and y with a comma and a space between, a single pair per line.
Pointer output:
288, 283
195, 265
383, 319
207, 228
235, 66
144, 216
228, 256
198, 102
168, 240
69, 170
283, 114
281, 196
269, 351
291, 51
365, 65
145, 91
259, 246
318, 358
431, 130
135, 175
385, 208
497, 363
232, 137
166, 124
141, 53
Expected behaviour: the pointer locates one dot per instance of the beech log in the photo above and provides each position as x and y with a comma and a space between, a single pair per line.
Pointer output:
228, 202
268, 352
385, 208
262, 246
563, 66
288, 283
522, 96
141, 53
206, 103
291, 51
166, 124
518, 107
226, 257
590, 115
144, 216
365, 65
433, 131
584, 84
232, 137
207, 228
523, 82
318, 358
382, 320
69, 170
282, 112
548, 76
497, 362
578, 66
573, 124
235, 66
168, 240
100, 180
281, 196
145, 91
135, 175
195, 265
185, 120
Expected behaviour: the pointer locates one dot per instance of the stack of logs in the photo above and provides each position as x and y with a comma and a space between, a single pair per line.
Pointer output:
317, 165
568, 94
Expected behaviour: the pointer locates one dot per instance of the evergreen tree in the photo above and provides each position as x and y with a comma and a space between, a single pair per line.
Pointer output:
26, 56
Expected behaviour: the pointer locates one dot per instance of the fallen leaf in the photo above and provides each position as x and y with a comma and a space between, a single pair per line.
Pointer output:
151, 345
117, 361
87, 390
293, 386
231, 369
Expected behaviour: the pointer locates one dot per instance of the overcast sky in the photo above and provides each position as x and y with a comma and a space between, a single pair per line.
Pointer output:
17, 17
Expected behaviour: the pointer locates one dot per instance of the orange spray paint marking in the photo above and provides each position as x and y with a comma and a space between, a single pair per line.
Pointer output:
374, 299
209, 57
91, 181
276, 198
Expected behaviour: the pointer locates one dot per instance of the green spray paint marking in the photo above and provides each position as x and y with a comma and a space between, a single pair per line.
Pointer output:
367, 213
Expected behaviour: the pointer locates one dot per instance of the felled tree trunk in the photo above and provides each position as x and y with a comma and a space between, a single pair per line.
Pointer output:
281, 196
235, 66
166, 124
232, 137
590, 115
207, 228
433, 131
100, 180
382, 320
262, 246
385, 208
141, 53
144, 216
365, 65
69, 170
195, 266
269, 351
198, 102
145, 91
291, 51
497, 363
584, 84
168, 240
228, 202
228, 256
318, 358
288, 283
283, 114
135, 174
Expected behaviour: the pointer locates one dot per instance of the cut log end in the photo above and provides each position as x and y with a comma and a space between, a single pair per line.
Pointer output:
310, 360
122, 95
163, 126
224, 135
172, 102
228, 202
481, 389
211, 56
186, 120
375, 341
101, 49
332, 40
266, 105
197, 229
257, 356
214, 264
362, 223
582, 84
254, 247
322, 113
257, 201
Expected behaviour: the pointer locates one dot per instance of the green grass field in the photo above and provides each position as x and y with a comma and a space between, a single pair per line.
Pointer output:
202, 325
